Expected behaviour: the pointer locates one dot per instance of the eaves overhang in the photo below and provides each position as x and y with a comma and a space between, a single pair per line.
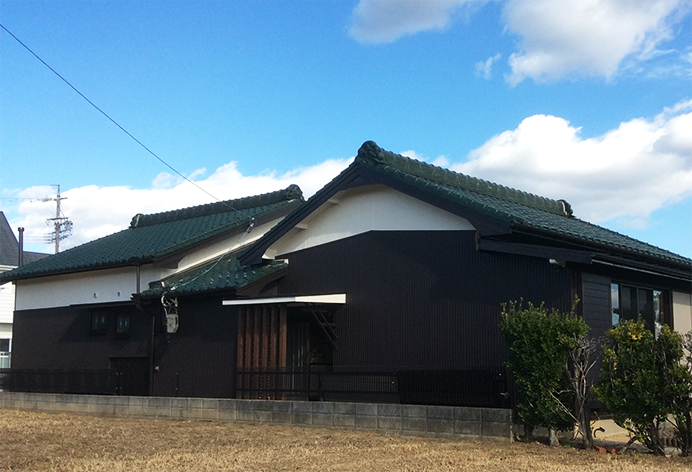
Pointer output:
328, 299
535, 250
620, 255
10, 277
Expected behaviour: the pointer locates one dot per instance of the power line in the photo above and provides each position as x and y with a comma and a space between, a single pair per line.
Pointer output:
115, 122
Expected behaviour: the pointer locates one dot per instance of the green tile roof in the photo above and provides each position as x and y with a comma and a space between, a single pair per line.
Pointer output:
150, 237
222, 273
521, 209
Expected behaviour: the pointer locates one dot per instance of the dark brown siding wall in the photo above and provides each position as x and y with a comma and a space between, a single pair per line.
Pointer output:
60, 338
199, 360
422, 300
596, 303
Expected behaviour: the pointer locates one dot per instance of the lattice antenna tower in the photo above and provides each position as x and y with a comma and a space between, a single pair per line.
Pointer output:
62, 225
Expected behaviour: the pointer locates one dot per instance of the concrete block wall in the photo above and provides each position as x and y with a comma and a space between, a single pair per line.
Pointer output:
417, 420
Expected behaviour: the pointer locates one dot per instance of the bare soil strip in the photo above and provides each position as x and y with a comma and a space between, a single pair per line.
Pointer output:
62, 442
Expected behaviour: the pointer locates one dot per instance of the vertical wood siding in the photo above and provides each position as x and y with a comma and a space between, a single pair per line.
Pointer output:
422, 300
595, 296
261, 346
199, 360
60, 338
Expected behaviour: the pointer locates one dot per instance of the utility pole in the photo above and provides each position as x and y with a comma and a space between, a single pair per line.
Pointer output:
61, 223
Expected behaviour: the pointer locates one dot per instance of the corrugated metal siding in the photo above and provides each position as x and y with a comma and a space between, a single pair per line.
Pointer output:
199, 360
422, 299
60, 338
595, 295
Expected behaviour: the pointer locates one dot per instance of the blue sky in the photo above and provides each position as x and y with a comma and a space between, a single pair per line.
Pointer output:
590, 101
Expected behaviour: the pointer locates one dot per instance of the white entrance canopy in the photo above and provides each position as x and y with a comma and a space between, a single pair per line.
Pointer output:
334, 298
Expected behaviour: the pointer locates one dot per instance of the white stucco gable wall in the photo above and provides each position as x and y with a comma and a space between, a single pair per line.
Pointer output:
362, 209
217, 249
96, 286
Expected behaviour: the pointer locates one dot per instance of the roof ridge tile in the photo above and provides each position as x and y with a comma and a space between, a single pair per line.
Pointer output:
371, 154
292, 192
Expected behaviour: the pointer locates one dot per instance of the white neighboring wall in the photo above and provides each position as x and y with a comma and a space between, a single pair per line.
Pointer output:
6, 315
682, 312
96, 286
362, 209
6, 300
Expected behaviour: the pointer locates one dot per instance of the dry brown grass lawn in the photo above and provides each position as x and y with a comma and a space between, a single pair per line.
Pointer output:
61, 442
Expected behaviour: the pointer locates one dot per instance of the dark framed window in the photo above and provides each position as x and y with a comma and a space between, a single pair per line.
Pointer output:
628, 302
99, 322
122, 325
4, 345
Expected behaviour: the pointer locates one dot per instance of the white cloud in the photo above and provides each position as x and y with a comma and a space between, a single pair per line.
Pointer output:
484, 68
440, 161
99, 211
591, 37
385, 21
413, 155
557, 38
624, 174
627, 173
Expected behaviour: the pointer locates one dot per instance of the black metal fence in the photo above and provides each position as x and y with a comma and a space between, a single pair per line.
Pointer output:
81, 381
481, 388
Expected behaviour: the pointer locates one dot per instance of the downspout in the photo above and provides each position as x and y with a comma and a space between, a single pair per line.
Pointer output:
20, 260
138, 288
138, 277
152, 339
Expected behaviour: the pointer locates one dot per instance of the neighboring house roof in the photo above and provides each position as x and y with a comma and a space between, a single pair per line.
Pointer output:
152, 237
9, 246
493, 209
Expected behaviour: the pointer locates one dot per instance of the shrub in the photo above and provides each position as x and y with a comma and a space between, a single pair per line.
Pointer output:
644, 380
680, 381
539, 341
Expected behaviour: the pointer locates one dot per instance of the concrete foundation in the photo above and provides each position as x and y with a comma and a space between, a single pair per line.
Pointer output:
417, 420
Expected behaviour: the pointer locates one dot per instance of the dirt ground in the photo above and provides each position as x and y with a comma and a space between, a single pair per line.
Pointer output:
61, 442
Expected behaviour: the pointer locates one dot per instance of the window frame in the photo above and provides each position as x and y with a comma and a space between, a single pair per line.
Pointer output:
123, 325
99, 322
661, 307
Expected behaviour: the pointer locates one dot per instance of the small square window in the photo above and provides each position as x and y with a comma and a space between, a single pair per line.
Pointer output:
99, 322
4, 345
122, 325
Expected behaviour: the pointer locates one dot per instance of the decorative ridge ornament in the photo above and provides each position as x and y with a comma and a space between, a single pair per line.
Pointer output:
372, 152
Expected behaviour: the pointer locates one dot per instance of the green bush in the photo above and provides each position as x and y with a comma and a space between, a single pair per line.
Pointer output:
644, 380
539, 341
679, 381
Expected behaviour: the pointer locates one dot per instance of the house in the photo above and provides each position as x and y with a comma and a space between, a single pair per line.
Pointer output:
81, 311
386, 285
9, 259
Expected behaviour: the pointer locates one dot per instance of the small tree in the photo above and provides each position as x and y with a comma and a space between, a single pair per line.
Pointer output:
644, 380
582, 357
679, 380
539, 342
